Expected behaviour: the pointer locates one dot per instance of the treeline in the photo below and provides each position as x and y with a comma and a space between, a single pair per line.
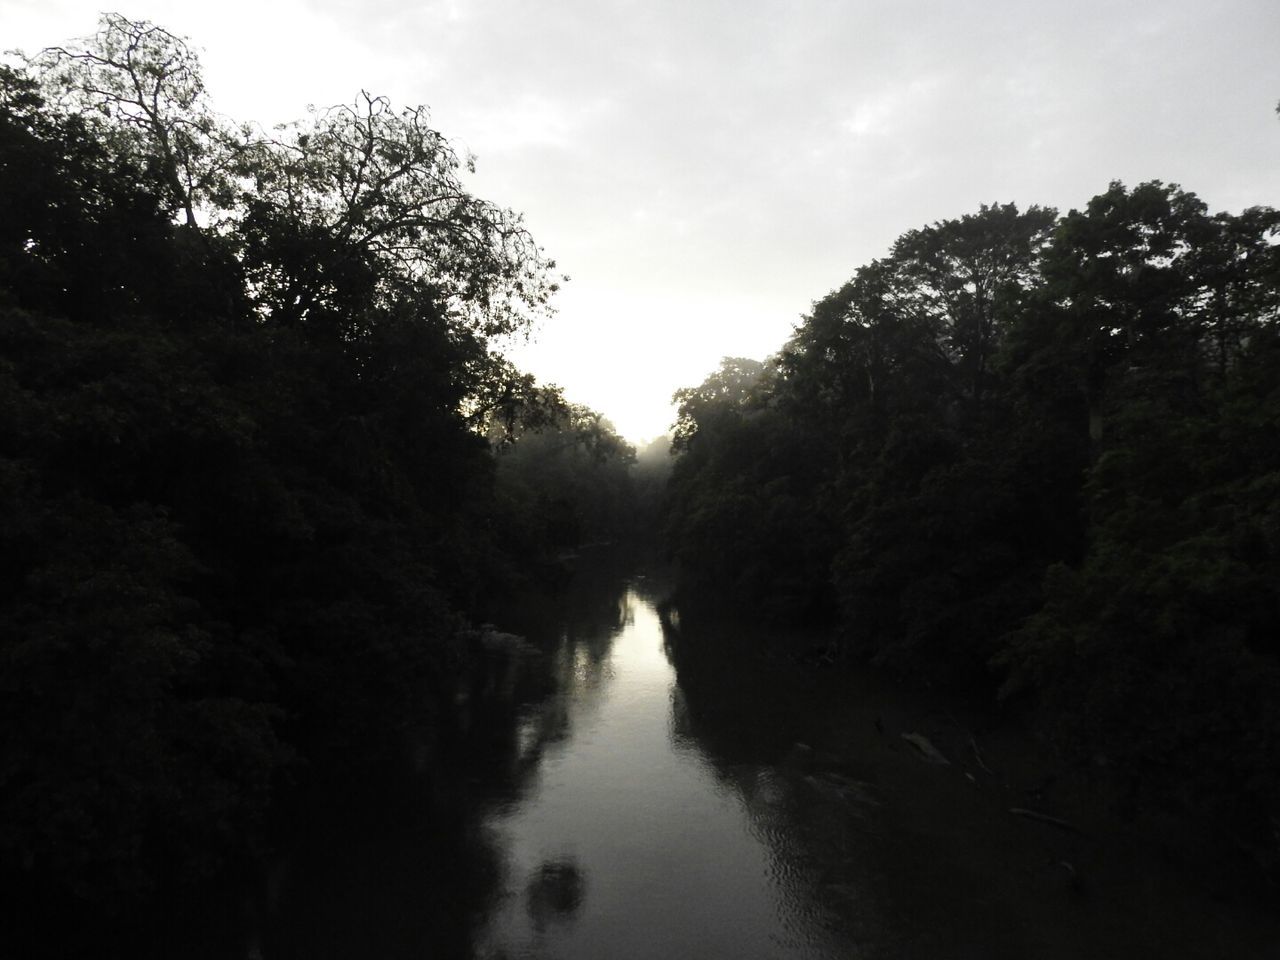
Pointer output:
1037, 456
261, 464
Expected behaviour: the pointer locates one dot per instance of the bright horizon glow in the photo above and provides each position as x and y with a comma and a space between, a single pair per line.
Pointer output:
704, 172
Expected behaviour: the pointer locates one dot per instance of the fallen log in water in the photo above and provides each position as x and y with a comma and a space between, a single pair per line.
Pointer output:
926, 749
973, 745
1044, 818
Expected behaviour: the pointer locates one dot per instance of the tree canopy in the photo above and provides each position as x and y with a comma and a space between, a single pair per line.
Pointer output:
358, 200
251, 504
1032, 453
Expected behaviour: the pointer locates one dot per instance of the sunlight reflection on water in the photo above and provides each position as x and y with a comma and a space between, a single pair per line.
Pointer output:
630, 844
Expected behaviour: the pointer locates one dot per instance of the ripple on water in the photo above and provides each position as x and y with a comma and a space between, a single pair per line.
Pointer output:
674, 851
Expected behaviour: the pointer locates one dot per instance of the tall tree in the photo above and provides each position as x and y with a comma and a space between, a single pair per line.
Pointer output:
141, 88
361, 200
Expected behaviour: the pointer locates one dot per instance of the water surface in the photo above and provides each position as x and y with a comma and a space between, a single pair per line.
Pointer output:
629, 843
702, 792
621, 785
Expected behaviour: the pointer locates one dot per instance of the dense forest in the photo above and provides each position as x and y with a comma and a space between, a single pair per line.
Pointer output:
263, 466
1035, 458
265, 474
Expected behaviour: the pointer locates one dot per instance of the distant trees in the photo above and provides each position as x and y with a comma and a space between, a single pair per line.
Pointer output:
740, 514
650, 477
1031, 450
563, 479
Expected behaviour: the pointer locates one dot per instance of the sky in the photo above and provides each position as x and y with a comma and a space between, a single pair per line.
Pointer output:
704, 170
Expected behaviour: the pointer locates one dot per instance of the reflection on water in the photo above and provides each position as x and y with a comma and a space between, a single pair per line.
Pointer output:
554, 893
620, 786
694, 795
682, 855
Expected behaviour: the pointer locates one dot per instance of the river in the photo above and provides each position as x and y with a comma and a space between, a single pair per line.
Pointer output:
629, 842
639, 788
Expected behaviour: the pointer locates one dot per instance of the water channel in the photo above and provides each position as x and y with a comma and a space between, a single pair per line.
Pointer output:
643, 788
630, 842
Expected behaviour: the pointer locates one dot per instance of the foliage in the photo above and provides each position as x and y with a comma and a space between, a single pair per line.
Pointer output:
650, 477
739, 508
360, 200
563, 479
1032, 451
381, 186
248, 496
140, 87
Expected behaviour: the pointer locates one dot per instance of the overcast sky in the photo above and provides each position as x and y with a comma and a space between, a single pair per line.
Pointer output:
704, 169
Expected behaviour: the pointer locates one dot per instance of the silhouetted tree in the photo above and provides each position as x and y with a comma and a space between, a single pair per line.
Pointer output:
1035, 449
248, 499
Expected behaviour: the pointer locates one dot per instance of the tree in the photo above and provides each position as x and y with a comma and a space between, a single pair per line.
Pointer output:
381, 186
563, 479
966, 280
730, 389
901, 379
248, 499
1152, 655
141, 88
360, 200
